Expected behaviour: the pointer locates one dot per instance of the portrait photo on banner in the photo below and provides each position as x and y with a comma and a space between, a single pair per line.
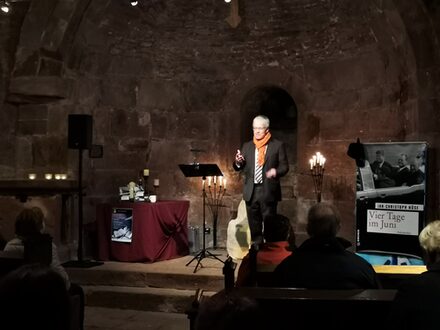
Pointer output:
390, 198
122, 224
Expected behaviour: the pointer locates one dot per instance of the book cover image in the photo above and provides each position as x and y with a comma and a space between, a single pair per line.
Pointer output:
391, 198
122, 225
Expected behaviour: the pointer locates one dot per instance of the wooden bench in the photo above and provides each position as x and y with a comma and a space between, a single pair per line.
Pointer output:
315, 309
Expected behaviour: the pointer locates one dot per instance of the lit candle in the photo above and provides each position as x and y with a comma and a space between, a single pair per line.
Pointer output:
48, 176
146, 172
57, 176
32, 176
63, 176
156, 182
311, 163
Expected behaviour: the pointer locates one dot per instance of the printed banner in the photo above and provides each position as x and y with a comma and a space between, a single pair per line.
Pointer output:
390, 197
392, 222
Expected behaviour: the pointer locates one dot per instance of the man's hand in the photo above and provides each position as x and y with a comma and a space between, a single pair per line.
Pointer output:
239, 159
272, 173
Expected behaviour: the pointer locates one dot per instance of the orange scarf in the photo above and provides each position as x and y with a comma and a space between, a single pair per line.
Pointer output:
261, 146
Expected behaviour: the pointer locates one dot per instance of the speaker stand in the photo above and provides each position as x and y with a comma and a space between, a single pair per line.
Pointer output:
81, 263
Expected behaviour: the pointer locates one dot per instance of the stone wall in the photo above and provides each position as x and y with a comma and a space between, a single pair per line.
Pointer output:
166, 77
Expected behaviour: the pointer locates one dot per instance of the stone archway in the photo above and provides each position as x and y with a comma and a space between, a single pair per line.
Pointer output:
277, 104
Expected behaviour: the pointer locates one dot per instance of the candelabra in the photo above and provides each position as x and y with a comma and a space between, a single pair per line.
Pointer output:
215, 194
317, 171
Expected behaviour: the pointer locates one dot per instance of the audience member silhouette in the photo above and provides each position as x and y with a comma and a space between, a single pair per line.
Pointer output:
229, 311
277, 234
417, 301
322, 261
34, 296
29, 226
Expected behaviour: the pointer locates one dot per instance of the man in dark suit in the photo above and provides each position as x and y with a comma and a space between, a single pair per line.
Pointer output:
263, 161
382, 171
402, 173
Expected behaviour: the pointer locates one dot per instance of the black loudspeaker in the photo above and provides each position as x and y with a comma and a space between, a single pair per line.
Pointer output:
80, 130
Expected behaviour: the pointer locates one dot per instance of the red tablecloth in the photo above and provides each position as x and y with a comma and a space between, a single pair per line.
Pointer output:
160, 232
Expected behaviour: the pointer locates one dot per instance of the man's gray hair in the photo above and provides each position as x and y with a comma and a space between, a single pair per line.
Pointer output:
263, 118
323, 220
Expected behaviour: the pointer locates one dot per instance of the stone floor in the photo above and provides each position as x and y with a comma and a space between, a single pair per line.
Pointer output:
100, 318
140, 282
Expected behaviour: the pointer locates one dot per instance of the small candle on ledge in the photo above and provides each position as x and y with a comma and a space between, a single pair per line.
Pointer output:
63, 176
57, 176
48, 176
146, 172
32, 176
156, 182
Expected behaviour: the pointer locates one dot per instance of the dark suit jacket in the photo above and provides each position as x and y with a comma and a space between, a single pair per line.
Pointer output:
402, 176
276, 157
384, 175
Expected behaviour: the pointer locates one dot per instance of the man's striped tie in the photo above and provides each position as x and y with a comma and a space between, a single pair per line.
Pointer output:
258, 173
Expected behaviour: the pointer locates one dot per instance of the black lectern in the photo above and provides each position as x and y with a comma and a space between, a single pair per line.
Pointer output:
201, 170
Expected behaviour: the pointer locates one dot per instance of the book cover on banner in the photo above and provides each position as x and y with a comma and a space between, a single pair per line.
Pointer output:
391, 198
122, 225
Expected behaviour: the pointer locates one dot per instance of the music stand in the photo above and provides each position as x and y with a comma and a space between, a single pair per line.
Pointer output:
201, 170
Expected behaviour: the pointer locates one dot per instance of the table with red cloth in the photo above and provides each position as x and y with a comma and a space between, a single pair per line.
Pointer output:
159, 231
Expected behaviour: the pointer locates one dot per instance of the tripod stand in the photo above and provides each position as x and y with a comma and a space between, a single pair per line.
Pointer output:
202, 170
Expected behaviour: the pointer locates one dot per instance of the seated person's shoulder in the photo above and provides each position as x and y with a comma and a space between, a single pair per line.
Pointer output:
13, 249
14, 245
